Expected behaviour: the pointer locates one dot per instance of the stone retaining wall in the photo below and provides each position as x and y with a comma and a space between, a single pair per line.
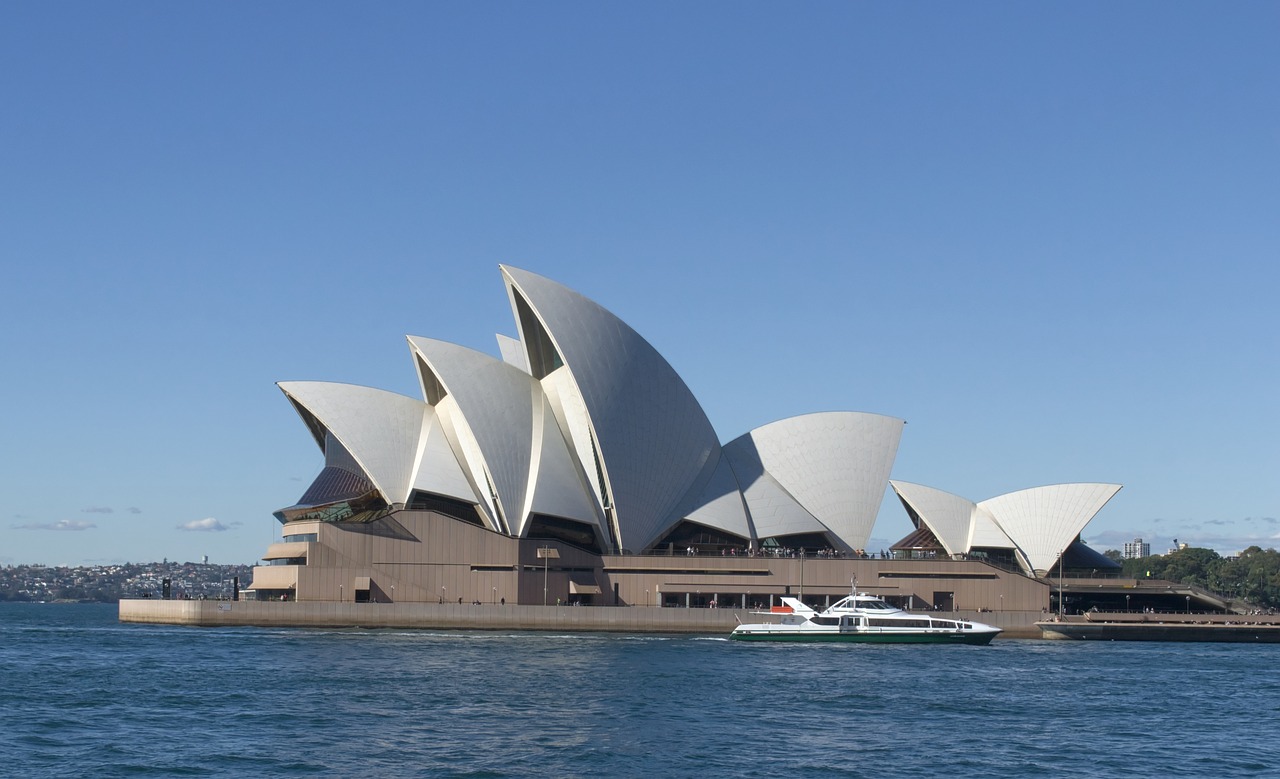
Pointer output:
637, 619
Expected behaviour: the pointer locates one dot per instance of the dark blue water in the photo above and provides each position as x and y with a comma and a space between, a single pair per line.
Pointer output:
82, 695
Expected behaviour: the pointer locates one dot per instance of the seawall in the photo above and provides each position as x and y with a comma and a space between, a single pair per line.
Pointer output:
632, 619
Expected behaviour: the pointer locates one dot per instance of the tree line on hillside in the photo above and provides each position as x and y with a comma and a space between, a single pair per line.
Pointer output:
75, 592
109, 583
1253, 575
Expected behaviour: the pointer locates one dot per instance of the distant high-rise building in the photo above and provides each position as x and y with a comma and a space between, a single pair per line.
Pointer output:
1137, 549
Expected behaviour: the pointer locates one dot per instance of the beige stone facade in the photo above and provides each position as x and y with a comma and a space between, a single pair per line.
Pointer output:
426, 558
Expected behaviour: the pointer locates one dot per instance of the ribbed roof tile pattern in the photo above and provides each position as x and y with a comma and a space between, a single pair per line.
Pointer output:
1039, 523
835, 465
1043, 521
496, 403
437, 470
774, 512
655, 441
380, 429
512, 352
949, 517
558, 488
721, 504
987, 533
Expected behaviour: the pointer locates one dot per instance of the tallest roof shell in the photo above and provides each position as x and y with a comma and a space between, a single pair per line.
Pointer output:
656, 445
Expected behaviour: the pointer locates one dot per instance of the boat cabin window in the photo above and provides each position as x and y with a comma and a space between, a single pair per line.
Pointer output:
825, 620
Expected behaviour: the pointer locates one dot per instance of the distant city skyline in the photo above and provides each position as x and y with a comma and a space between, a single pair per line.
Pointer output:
1044, 236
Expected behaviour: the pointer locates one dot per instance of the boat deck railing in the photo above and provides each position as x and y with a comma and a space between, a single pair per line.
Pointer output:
1170, 617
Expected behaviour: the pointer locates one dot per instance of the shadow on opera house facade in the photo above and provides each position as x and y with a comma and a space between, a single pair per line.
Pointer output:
579, 469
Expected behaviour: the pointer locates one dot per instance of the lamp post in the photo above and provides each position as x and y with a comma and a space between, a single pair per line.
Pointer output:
802, 575
546, 553
393, 593
495, 596
1188, 604
1126, 603
339, 593
442, 591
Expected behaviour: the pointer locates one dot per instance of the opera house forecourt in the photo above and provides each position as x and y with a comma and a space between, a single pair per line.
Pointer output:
577, 472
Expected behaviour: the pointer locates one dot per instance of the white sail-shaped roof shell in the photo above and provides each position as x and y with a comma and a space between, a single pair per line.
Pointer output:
380, 429
834, 465
488, 407
772, 511
1038, 523
437, 470
583, 420
655, 443
949, 517
721, 505
986, 532
558, 486
512, 352
499, 415
1043, 521
471, 456
572, 417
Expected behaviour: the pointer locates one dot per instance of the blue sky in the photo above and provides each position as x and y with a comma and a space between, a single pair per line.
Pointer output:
1044, 234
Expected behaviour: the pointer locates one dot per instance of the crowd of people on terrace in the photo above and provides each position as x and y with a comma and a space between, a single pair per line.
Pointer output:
782, 551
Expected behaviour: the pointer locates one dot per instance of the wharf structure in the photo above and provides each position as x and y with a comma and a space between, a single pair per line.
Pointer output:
578, 469
1235, 628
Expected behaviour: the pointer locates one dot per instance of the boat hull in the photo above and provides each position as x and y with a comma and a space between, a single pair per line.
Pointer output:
970, 638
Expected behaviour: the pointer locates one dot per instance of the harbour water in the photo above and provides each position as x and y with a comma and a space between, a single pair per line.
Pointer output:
83, 695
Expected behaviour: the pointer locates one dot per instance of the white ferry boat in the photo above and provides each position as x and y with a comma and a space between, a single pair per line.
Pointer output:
862, 618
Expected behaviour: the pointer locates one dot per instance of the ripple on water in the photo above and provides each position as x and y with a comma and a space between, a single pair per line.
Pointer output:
87, 696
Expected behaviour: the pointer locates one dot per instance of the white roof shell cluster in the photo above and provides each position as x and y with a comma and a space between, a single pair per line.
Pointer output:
1037, 524
583, 420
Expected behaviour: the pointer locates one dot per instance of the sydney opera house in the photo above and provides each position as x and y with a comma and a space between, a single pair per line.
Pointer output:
578, 468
